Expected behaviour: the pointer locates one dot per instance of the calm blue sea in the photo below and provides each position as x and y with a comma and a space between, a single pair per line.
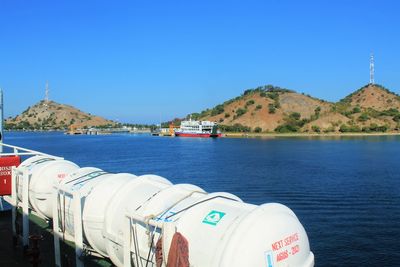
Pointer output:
345, 191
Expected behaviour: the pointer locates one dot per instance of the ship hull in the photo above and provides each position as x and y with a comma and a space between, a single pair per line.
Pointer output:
203, 135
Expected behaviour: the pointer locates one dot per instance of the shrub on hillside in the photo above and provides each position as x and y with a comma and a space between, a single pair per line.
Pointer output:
315, 116
330, 129
349, 128
217, 110
363, 117
316, 129
240, 112
356, 110
286, 128
375, 128
248, 91
295, 116
249, 103
258, 130
237, 127
390, 112
195, 116
293, 123
271, 108
273, 95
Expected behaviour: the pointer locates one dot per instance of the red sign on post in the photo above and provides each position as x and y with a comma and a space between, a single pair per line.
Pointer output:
6, 163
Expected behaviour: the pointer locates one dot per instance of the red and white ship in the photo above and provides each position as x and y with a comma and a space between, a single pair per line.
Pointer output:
198, 129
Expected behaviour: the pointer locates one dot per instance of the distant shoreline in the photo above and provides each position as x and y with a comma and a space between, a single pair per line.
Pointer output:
272, 135
262, 135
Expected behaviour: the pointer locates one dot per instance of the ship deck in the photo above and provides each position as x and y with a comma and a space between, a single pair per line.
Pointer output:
14, 256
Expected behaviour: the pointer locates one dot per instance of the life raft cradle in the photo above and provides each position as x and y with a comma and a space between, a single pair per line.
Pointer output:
159, 226
154, 221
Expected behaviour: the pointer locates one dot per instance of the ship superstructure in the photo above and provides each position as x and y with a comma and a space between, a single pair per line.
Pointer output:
193, 128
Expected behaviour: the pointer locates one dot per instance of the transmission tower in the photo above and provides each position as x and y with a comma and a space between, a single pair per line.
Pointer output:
46, 97
371, 69
47, 93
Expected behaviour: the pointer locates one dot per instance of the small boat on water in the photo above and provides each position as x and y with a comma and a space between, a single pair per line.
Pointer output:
156, 132
193, 128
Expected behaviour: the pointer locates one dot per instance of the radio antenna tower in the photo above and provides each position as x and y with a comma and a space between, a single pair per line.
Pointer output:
47, 93
371, 69
46, 97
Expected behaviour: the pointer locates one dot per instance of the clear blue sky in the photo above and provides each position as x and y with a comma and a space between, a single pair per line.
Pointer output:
139, 61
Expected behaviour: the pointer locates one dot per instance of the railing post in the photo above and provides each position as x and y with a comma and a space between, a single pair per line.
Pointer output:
78, 233
25, 209
14, 203
127, 240
56, 230
14, 200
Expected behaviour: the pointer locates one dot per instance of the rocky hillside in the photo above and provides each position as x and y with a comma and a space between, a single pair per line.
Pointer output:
372, 108
52, 115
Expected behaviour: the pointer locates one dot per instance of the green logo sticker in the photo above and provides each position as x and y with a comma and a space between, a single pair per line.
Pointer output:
213, 217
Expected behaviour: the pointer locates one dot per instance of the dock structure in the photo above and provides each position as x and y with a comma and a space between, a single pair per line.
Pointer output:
105, 131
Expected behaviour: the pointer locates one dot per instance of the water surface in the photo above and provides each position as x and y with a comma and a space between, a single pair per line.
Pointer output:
345, 190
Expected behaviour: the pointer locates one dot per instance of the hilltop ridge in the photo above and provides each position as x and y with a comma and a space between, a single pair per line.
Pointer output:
54, 116
372, 108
